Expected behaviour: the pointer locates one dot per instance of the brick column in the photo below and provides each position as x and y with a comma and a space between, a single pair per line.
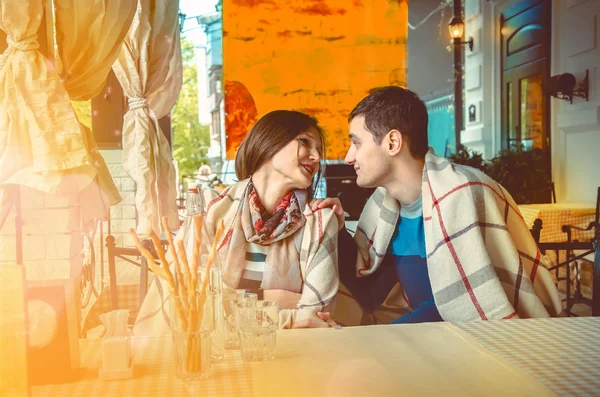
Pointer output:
122, 218
122, 215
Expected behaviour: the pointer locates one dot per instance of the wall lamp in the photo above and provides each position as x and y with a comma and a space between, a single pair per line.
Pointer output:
457, 29
564, 86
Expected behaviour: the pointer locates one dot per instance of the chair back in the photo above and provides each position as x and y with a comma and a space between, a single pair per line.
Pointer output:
568, 254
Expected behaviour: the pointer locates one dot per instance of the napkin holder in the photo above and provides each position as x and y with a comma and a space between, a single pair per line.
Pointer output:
117, 361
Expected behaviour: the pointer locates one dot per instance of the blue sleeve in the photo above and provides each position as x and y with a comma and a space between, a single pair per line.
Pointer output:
426, 312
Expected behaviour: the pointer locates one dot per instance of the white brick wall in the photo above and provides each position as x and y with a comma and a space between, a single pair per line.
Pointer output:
8, 248
51, 228
51, 235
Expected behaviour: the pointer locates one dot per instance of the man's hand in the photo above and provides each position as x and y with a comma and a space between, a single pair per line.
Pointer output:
330, 202
286, 299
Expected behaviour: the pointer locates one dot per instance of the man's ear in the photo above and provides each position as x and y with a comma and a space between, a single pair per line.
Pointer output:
394, 141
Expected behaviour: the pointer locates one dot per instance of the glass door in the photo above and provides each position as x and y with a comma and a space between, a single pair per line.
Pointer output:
525, 28
531, 105
525, 108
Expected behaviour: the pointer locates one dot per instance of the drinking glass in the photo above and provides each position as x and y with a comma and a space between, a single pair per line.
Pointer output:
257, 330
191, 337
230, 297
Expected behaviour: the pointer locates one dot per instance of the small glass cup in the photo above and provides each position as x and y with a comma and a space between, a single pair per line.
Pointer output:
257, 329
192, 345
270, 310
244, 311
230, 297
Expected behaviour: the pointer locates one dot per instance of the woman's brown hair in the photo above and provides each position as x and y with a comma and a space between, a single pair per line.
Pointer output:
271, 133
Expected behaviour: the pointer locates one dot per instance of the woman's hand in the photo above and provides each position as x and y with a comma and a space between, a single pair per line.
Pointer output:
323, 320
286, 299
326, 316
330, 202
312, 322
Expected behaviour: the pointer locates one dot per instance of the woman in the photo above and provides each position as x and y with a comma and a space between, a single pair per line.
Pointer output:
273, 241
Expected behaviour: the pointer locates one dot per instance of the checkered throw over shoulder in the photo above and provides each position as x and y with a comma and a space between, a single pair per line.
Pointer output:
305, 262
483, 262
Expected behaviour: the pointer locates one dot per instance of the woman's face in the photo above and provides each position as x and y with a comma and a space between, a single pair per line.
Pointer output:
298, 161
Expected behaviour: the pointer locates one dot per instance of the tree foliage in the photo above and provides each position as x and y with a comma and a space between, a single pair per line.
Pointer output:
190, 138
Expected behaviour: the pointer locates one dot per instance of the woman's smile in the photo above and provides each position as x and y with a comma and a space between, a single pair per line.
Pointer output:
309, 168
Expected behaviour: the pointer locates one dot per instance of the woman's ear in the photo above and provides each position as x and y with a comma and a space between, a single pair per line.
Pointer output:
394, 142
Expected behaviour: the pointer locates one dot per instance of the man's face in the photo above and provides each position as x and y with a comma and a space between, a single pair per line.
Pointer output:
370, 159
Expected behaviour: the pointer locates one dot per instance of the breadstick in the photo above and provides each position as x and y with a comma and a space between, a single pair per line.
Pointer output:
161, 254
165, 274
188, 277
163, 259
195, 316
213, 249
197, 248
162, 272
172, 250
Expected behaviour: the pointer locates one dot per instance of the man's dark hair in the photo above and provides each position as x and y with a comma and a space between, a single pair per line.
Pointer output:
395, 108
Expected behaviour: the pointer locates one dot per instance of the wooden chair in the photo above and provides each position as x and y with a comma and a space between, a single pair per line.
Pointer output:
123, 253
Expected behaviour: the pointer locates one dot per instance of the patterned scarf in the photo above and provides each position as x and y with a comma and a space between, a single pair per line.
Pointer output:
263, 228
305, 262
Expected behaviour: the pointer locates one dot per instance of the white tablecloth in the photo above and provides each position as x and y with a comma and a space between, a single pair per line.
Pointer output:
436, 359
513, 357
562, 353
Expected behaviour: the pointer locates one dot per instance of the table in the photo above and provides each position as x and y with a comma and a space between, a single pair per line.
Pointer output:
563, 353
154, 375
510, 357
554, 216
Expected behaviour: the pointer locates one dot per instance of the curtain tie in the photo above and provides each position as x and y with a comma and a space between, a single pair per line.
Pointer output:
137, 103
27, 44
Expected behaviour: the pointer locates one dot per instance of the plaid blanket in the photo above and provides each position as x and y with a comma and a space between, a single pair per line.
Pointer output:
304, 262
483, 263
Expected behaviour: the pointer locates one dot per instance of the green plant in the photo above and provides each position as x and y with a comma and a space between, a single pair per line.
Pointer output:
523, 172
190, 138
469, 157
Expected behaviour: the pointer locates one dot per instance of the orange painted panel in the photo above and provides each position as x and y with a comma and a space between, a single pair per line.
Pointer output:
316, 56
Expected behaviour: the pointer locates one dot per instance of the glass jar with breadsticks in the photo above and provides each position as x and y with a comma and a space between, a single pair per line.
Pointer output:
189, 297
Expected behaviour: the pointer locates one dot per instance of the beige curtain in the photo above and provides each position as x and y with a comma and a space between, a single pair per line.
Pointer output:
149, 70
171, 85
89, 34
41, 144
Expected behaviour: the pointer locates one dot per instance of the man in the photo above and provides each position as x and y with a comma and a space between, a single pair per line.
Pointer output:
436, 241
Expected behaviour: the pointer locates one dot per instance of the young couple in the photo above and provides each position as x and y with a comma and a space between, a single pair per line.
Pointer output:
435, 242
